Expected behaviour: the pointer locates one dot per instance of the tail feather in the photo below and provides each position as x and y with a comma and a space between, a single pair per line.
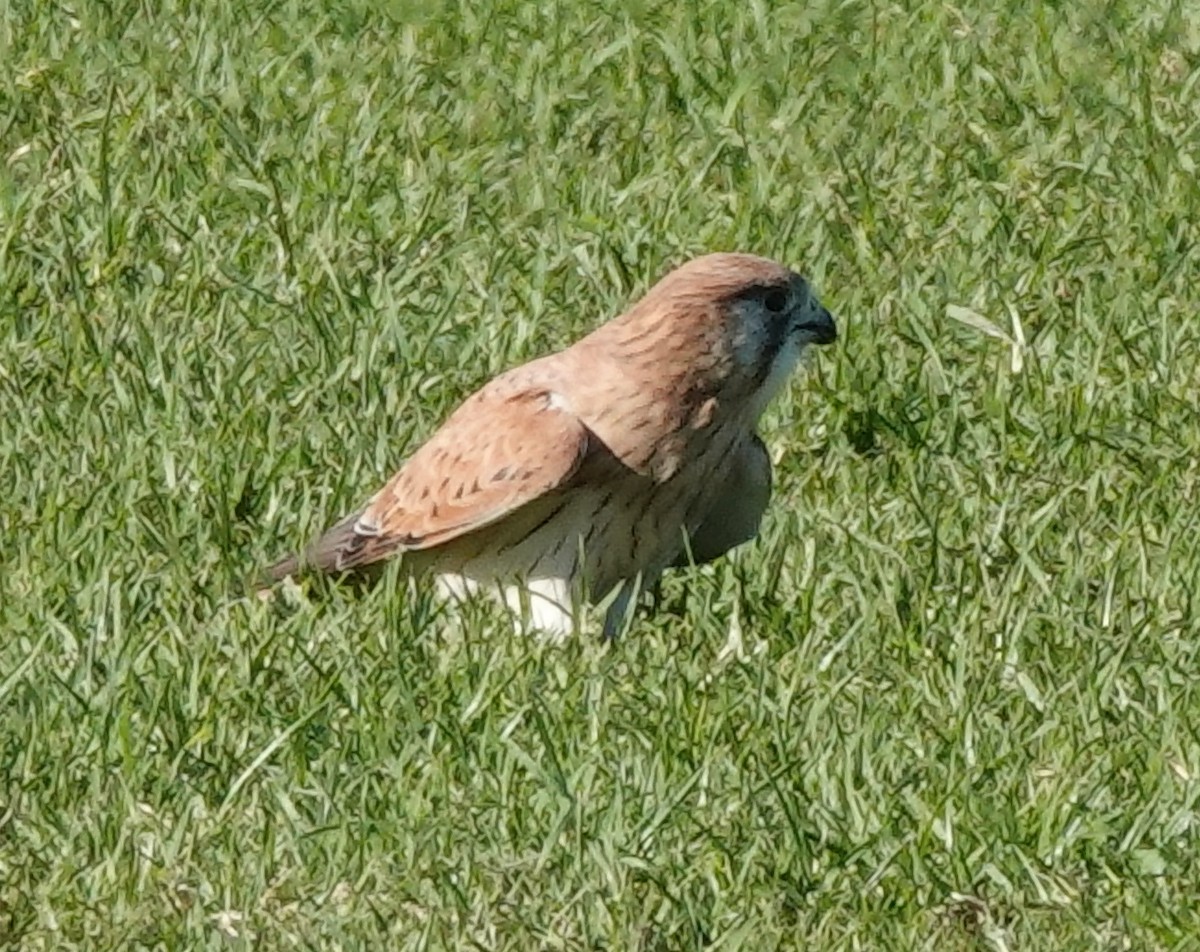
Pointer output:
281, 570
323, 556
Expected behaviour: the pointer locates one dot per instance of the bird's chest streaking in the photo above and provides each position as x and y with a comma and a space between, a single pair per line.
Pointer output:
578, 545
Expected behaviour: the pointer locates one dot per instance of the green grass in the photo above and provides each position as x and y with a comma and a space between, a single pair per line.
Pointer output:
247, 261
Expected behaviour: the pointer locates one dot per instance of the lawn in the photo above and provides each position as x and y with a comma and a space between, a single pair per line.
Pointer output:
947, 701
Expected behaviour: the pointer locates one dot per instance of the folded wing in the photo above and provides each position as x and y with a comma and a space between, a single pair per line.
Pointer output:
505, 447
738, 509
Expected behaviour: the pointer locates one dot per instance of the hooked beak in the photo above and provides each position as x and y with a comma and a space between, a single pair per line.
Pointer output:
819, 327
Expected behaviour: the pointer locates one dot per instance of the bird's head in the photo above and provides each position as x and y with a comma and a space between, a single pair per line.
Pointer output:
743, 318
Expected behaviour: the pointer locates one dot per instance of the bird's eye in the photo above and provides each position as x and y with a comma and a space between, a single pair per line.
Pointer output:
775, 300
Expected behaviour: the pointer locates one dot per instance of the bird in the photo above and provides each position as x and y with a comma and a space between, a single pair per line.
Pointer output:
581, 476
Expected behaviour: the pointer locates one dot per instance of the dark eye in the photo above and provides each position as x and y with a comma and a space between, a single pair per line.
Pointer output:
775, 300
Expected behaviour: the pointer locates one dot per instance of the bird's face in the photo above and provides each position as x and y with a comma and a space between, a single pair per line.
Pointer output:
770, 323
770, 320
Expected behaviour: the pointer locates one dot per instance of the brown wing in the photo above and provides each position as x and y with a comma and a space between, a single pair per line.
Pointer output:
506, 446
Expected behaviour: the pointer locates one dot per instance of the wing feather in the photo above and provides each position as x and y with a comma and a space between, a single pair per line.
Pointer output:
511, 443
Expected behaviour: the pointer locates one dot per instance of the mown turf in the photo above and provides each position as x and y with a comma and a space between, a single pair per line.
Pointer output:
948, 701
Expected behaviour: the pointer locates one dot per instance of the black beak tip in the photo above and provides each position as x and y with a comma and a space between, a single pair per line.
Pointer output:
822, 329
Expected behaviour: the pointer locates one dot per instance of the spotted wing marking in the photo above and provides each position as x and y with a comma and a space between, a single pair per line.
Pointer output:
505, 447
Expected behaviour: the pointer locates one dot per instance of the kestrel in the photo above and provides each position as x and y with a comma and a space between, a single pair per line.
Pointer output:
593, 469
